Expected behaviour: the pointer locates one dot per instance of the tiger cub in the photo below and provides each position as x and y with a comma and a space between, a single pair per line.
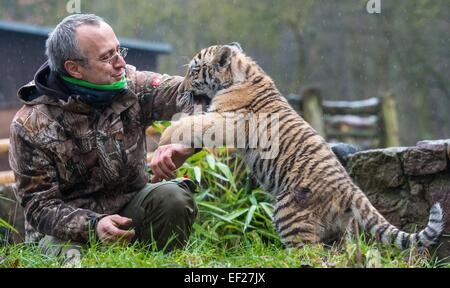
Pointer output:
314, 197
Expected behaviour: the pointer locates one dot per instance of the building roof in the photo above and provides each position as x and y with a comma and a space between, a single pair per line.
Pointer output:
156, 47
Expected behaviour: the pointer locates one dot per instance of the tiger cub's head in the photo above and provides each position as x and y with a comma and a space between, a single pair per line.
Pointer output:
209, 72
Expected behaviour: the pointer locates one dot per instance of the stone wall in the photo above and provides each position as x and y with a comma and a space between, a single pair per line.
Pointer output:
404, 182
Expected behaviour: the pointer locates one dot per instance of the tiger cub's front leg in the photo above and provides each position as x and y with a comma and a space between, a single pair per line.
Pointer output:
174, 133
206, 130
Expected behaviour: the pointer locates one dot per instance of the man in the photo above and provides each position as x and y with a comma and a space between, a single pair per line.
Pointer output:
78, 146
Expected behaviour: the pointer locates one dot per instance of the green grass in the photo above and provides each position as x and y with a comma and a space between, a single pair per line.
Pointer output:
233, 229
200, 253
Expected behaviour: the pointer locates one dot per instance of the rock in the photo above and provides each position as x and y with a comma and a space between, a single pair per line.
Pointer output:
429, 143
439, 191
414, 214
343, 151
419, 184
416, 188
425, 143
389, 205
428, 157
403, 183
377, 169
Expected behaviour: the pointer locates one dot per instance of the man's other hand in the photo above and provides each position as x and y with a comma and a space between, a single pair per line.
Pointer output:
166, 159
108, 229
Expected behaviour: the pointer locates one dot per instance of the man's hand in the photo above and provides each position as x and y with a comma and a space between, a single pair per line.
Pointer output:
108, 231
166, 159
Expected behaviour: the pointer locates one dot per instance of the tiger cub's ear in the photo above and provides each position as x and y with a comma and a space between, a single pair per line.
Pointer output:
235, 46
223, 58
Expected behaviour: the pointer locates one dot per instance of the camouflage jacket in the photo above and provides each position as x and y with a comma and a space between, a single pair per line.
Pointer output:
73, 163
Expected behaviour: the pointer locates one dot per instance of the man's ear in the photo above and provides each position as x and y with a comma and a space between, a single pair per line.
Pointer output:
223, 59
72, 69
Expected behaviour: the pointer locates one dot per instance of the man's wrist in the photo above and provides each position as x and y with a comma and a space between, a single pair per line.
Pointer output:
93, 222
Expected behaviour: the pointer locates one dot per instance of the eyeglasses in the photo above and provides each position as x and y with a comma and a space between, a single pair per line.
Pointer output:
122, 52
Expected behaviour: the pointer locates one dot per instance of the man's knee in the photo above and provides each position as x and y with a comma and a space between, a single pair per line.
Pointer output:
169, 213
160, 211
175, 201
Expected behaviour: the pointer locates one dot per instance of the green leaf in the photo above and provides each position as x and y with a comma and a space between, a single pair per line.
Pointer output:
267, 208
6, 225
252, 200
211, 161
222, 187
197, 157
231, 236
207, 233
259, 216
198, 174
204, 194
166, 123
268, 234
212, 207
258, 193
221, 217
236, 214
227, 172
159, 126
218, 176
7, 199
249, 217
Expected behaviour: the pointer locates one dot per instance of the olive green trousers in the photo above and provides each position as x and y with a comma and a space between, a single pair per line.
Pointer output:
162, 213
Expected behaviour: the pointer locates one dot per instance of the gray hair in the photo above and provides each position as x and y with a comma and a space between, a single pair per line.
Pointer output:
62, 45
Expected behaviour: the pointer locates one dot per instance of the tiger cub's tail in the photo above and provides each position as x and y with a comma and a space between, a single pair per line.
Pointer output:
373, 222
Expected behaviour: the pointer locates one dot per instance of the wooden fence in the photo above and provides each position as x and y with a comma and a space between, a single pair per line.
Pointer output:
369, 123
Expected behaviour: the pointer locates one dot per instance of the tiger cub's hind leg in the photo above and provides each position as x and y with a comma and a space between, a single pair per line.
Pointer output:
299, 232
295, 224
352, 230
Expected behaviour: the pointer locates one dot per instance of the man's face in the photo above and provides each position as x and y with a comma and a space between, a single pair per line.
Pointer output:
99, 43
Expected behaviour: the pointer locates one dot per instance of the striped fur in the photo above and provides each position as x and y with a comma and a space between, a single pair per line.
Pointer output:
314, 198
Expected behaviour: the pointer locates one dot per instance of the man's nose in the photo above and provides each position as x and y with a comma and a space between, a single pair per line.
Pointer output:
120, 63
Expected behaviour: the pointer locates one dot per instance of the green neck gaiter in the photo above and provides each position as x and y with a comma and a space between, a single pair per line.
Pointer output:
98, 96
115, 86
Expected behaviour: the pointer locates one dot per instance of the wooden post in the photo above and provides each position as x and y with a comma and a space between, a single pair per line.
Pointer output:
390, 121
4, 146
312, 109
6, 177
